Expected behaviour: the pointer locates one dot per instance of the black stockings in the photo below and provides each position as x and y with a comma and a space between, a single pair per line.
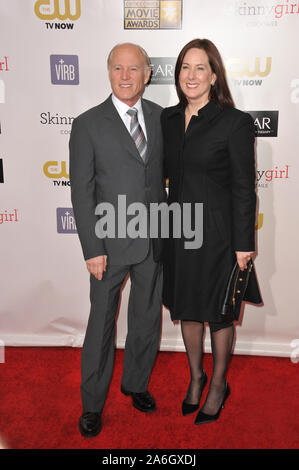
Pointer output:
221, 342
192, 333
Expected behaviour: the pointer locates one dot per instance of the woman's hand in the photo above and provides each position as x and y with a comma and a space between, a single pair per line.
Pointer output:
243, 257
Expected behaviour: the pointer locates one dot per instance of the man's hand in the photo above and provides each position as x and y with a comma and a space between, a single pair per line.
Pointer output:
243, 257
96, 266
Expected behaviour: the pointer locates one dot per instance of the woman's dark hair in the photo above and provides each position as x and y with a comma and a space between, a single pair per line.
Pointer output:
220, 91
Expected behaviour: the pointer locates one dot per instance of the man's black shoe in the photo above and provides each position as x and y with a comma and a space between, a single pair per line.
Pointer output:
142, 401
90, 424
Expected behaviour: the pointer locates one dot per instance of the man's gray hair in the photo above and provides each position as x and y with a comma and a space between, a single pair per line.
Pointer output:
147, 61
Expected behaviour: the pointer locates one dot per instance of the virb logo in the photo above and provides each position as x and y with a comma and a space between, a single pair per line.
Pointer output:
65, 220
64, 69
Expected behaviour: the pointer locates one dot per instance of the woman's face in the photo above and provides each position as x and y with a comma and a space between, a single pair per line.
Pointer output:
196, 76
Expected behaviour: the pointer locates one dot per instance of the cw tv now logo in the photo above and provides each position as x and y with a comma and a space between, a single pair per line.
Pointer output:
245, 71
56, 171
58, 9
64, 69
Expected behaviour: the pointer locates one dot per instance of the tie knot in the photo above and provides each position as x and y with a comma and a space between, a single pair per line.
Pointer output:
132, 112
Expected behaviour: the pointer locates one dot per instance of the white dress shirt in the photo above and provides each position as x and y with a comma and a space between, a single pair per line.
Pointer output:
122, 109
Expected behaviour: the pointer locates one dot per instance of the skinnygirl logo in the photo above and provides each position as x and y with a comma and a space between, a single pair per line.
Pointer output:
274, 10
267, 176
9, 215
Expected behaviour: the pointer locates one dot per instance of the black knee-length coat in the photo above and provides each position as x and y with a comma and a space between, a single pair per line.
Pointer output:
212, 163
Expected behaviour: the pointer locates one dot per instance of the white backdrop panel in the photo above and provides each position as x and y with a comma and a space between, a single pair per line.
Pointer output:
44, 282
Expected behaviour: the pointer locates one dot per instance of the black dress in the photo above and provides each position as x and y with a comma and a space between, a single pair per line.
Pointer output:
212, 163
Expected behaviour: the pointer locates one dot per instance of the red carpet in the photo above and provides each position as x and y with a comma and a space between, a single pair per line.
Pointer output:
41, 405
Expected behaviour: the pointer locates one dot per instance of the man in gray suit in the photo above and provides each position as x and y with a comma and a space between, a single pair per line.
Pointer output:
116, 149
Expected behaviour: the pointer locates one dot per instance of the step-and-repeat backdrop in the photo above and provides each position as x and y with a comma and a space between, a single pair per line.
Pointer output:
53, 67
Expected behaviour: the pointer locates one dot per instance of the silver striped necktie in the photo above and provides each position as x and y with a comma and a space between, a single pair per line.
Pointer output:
137, 132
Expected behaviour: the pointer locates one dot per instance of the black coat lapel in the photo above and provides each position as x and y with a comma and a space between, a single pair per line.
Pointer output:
150, 129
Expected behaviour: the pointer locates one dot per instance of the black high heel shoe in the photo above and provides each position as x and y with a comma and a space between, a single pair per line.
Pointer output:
187, 408
202, 417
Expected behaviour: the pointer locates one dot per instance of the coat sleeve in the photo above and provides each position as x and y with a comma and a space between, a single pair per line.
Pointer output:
163, 127
83, 192
241, 153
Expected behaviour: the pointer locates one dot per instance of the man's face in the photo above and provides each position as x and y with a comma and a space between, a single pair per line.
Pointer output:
128, 74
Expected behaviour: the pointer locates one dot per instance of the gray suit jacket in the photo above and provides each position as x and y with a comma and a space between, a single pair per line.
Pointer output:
105, 163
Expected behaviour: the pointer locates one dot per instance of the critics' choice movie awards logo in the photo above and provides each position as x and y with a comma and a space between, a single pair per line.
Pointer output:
57, 172
162, 70
266, 123
248, 72
64, 69
64, 10
65, 220
153, 14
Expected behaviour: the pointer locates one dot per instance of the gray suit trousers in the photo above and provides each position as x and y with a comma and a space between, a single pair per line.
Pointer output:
144, 328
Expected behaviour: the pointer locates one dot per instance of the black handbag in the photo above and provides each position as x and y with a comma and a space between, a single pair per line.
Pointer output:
242, 285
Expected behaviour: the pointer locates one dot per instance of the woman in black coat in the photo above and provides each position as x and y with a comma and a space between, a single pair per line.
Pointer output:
209, 159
